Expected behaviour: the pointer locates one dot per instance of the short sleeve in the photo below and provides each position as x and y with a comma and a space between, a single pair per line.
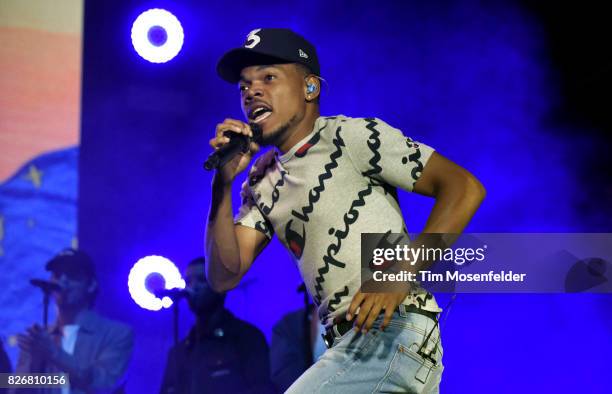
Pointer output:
249, 214
382, 152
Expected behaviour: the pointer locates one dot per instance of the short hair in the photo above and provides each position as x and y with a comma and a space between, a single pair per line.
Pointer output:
303, 69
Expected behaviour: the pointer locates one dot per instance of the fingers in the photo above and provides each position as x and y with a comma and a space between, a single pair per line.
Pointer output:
372, 315
364, 311
387, 319
254, 148
370, 307
357, 298
229, 126
235, 126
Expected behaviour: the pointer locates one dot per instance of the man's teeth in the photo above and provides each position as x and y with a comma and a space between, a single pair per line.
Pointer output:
262, 116
259, 111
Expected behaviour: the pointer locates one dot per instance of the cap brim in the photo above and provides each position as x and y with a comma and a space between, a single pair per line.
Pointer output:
231, 64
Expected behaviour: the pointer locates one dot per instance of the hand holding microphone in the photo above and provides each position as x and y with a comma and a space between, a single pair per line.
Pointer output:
235, 143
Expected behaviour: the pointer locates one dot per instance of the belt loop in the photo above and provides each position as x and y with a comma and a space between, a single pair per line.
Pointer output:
402, 310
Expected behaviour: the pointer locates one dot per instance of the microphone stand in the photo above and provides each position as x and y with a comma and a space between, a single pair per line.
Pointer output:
175, 297
46, 299
175, 327
46, 287
175, 313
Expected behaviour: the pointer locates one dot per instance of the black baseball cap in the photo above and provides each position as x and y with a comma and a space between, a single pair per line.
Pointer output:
72, 262
268, 46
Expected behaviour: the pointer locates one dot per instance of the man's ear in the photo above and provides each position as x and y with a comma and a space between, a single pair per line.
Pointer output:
312, 87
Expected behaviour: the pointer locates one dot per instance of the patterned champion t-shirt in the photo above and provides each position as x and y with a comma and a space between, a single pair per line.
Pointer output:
338, 182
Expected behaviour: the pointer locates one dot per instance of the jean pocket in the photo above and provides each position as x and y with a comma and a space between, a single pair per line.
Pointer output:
416, 329
411, 371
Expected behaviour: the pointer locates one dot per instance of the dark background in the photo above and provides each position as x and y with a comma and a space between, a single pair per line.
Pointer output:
516, 92
577, 38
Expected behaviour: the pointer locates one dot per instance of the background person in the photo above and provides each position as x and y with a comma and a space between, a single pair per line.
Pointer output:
94, 351
221, 354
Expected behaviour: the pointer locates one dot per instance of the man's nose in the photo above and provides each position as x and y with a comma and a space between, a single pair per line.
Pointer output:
255, 90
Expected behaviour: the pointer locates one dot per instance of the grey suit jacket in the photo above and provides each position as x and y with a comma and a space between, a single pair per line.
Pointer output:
101, 355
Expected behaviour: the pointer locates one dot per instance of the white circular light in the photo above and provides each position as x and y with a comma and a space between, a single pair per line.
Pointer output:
157, 35
138, 278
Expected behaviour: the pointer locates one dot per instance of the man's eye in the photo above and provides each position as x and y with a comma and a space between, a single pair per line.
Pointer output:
270, 77
243, 88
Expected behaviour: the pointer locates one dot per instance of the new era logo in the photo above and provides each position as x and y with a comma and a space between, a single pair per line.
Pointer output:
302, 54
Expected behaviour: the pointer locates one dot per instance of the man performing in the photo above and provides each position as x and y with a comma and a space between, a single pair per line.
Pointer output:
328, 180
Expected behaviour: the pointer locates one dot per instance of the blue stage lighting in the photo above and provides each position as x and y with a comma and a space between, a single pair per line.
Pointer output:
157, 35
153, 273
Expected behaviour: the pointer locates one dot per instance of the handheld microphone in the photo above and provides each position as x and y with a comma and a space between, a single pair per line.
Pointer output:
174, 294
45, 285
239, 143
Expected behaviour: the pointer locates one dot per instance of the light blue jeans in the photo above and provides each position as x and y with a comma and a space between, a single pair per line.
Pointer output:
379, 361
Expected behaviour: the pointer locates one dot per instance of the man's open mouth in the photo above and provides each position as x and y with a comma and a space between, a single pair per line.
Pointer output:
259, 113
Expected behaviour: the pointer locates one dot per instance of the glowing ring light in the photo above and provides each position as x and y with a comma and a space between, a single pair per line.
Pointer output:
157, 35
138, 277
